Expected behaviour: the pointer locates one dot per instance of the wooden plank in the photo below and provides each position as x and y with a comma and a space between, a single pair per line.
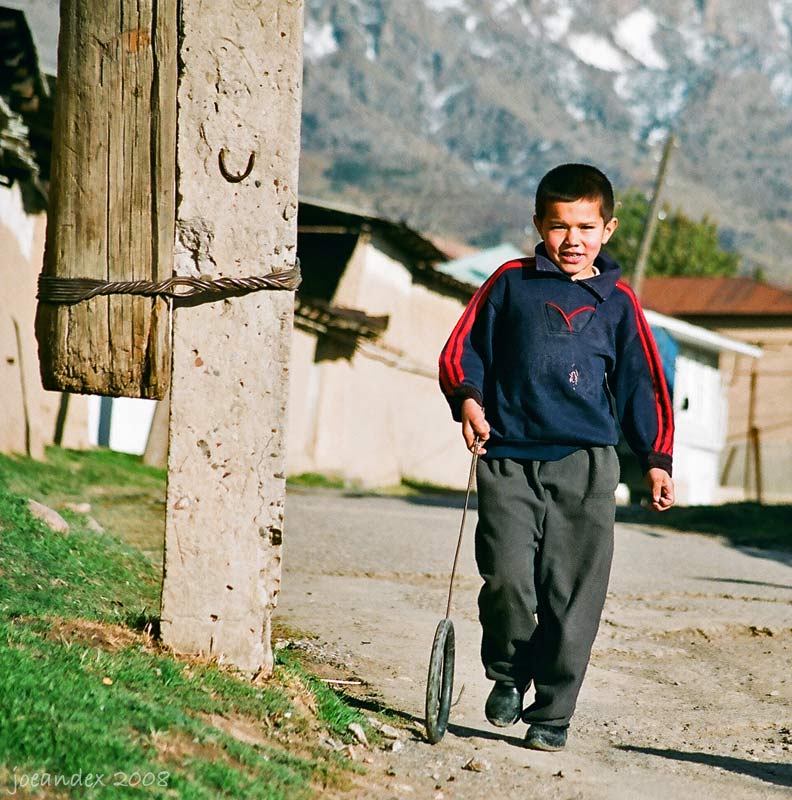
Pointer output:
112, 196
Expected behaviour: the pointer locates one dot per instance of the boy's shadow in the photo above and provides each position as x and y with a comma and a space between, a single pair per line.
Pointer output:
460, 731
770, 772
463, 732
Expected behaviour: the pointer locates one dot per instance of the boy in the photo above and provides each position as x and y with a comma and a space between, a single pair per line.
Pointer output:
548, 350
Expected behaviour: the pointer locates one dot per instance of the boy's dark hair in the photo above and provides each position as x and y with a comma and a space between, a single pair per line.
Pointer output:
570, 182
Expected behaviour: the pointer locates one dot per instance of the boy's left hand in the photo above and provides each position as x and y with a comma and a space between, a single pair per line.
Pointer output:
662, 488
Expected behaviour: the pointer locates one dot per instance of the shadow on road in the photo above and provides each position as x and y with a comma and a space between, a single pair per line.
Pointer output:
760, 530
770, 772
463, 732
746, 583
442, 499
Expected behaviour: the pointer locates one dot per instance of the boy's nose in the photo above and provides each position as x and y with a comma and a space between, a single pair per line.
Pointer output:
573, 236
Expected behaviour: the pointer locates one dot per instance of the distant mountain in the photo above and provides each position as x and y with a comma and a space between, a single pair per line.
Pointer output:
447, 112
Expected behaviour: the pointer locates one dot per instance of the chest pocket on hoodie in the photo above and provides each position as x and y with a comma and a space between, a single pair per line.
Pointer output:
572, 321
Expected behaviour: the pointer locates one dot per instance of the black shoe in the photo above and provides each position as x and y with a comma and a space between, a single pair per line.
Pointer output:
546, 737
504, 705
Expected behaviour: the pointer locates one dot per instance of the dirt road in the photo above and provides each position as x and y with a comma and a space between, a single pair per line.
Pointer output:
689, 693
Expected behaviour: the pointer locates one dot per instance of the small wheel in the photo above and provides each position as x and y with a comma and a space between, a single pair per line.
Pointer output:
440, 681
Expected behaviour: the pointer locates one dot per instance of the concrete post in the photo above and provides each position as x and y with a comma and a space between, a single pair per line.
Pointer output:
238, 108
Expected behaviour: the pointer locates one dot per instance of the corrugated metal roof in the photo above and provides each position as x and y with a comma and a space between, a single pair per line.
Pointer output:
475, 268
695, 297
451, 247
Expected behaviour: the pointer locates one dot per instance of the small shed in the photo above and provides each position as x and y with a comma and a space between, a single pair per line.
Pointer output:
364, 401
757, 461
701, 408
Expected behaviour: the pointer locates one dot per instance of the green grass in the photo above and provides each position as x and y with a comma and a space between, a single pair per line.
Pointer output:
411, 486
78, 574
84, 691
125, 496
315, 480
332, 709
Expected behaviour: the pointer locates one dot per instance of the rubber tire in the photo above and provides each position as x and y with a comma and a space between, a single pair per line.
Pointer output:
440, 681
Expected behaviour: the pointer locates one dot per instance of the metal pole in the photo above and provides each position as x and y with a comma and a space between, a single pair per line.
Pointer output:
474, 459
651, 219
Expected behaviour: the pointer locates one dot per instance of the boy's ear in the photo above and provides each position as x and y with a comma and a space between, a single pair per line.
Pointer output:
538, 225
610, 227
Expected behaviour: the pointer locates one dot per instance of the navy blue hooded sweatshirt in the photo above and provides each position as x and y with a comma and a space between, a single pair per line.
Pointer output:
551, 360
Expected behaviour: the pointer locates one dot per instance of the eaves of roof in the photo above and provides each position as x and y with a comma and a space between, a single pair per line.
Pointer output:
315, 214
319, 316
318, 216
26, 100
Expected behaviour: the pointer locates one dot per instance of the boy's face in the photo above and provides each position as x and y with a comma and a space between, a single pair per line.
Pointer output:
573, 234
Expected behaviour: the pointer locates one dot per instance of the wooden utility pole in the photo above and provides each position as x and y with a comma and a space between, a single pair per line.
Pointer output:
238, 118
112, 196
651, 219
753, 443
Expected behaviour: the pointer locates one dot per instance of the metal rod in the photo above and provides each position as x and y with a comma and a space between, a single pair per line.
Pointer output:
476, 445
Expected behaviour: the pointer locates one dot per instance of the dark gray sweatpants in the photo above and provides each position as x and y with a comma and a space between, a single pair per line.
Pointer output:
544, 545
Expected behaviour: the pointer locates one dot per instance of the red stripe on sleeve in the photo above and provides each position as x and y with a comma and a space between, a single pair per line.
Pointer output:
451, 373
664, 442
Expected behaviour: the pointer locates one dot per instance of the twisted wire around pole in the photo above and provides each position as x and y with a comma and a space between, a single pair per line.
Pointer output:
75, 290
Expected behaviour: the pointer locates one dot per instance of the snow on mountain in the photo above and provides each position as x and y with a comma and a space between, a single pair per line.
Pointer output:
445, 5
318, 40
556, 24
634, 34
596, 51
446, 112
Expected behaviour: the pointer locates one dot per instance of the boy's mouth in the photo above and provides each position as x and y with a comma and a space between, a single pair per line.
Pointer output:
571, 257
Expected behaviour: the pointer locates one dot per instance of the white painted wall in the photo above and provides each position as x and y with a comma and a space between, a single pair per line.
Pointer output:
700, 416
700, 405
20, 225
130, 423
695, 475
23, 402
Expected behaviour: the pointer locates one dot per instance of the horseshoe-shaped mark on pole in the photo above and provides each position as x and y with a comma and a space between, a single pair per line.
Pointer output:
235, 177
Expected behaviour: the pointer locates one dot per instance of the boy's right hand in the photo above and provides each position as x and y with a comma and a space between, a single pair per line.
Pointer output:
474, 424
